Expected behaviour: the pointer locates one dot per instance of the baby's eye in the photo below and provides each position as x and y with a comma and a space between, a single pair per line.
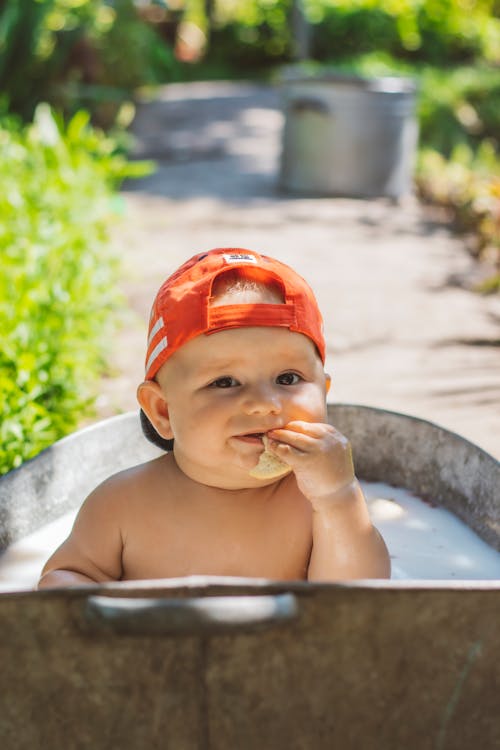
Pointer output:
288, 378
224, 382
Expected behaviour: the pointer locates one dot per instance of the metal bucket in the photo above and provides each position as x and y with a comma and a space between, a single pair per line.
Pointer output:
242, 663
348, 136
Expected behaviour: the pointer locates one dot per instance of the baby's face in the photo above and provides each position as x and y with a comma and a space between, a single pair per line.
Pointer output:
225, 390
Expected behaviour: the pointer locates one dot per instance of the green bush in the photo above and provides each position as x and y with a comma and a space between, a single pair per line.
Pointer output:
439, 32
347, 31
459, 164
250, 35
467, 186
77, 53
459, 106
58, 280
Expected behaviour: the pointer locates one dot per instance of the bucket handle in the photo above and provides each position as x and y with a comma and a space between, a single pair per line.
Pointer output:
309, 104
196, 615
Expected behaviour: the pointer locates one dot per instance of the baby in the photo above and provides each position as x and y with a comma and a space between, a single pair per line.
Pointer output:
234, 370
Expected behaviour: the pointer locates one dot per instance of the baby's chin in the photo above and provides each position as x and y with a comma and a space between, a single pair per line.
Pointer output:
249, 475
236, 472
233, 476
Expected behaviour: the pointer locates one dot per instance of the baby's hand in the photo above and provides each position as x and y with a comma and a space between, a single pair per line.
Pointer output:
319, 455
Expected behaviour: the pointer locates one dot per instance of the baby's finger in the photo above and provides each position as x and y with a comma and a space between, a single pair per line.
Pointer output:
288, 438
302, 439
315, 429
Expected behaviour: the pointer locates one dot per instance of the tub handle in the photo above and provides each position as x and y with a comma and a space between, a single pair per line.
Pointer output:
309, 104
197, 615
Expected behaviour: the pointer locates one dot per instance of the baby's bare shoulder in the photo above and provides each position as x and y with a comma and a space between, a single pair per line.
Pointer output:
135, 475
136, 483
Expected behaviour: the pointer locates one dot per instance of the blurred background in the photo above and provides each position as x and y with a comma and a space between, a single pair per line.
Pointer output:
73, 74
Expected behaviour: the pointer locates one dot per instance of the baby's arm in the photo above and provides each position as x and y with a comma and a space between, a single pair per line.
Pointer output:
93, 551
345, 543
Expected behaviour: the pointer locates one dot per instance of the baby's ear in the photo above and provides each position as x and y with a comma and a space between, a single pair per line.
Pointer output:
328, 381
154, 405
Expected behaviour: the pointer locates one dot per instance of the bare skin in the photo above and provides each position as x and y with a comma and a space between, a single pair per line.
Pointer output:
197, 510
188, 529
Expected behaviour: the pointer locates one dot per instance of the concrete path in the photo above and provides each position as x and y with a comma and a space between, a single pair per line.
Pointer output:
402, 333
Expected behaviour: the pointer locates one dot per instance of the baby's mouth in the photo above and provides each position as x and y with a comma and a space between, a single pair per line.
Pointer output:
252, 437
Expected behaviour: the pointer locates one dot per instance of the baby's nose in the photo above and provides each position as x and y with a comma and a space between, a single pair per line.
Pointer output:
261, 399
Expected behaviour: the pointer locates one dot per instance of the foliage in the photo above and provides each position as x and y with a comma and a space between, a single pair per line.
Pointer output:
434, 31
459, 163
57, 281
440, 32
95, 53
467, 185
251, 34
459, 106
74, 53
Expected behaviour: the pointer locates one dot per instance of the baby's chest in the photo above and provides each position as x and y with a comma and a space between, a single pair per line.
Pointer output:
273, 544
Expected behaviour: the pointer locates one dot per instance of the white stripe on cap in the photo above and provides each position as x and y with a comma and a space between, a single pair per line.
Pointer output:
162, 344
157, 326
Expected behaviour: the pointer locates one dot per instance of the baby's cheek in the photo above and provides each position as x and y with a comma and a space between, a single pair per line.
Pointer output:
311, 407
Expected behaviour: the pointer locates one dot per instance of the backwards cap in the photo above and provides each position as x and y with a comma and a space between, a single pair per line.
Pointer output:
183, 306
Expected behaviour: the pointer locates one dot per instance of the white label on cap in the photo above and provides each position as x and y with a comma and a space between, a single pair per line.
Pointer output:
239, 258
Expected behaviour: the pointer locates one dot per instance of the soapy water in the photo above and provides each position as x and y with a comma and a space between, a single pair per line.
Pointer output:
425, 542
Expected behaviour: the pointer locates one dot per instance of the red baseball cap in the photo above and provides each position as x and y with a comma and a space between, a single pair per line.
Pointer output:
182, 309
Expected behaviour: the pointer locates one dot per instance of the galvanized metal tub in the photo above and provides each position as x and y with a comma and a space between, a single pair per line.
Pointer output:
348, 136
242, 663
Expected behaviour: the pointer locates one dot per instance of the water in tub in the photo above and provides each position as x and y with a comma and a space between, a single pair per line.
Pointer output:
424, 541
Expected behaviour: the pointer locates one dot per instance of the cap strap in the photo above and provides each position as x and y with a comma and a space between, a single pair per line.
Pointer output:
227, 316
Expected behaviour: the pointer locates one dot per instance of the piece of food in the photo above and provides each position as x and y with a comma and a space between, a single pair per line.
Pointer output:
269, 466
